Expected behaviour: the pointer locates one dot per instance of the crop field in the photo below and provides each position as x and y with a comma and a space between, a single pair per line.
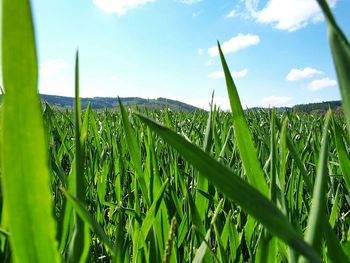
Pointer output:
149, 199
130, 185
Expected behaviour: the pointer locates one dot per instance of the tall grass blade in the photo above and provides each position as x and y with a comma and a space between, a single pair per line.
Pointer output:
78, 240
340, 48
89, 220
344, 159
251, 200
200, 254
243, 136
151, 215
202, 184
25, 173
316, 222
296, 156
135, 152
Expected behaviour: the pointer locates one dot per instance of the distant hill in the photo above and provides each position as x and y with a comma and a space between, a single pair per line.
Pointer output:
110, 103
161, 103
319, 107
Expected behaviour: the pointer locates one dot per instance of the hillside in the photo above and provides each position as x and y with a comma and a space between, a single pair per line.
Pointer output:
319, 107
110, 103
160, 103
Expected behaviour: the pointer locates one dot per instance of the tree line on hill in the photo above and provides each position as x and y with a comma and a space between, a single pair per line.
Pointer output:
161, 103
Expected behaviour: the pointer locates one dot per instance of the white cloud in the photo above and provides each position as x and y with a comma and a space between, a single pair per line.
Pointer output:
235, 74
51, 67
233, 13
298, 74
200, 51
216, 75
235, 43
276, 101
322, 84
119, 7
240, 74
190, 2
195, 14
288, 15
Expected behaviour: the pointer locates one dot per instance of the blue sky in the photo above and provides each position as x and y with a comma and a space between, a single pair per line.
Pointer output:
277, 50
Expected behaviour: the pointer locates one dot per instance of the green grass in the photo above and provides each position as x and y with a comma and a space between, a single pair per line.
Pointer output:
164, 186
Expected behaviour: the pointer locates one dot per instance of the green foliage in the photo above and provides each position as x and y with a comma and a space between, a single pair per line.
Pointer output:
243, 186
25, 173
340, 48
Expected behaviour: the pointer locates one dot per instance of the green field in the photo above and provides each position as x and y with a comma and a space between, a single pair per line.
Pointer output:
126, 203
168, 186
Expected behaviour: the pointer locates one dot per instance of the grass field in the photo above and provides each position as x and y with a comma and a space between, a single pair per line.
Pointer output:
164, 186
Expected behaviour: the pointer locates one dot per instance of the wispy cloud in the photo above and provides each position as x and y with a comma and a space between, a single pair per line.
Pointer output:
190, 2
289, 15
324, 83
216, 75
235, 74
120, 7
236, 43
232, 13
240, 74
299, 74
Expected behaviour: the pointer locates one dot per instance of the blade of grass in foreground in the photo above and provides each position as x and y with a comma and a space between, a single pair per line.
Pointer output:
316, 222
251, 200
336, 253
343, 156
25, 173
243, 136
340, 48
78, 239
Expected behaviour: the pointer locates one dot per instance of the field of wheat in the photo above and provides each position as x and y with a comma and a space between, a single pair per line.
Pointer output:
130, 185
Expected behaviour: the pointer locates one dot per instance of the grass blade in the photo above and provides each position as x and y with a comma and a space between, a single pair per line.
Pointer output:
134, 151
340, 48
344, 159
202, 182
296, 156
200, 255
251, 200
78, 239
25, 173
151, 214
316, 223
335, 209
88, 219
243, 136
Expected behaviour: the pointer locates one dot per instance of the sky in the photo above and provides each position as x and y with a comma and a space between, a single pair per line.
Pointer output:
277, 50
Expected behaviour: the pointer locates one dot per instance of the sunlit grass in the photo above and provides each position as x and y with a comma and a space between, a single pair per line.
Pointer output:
163, 186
